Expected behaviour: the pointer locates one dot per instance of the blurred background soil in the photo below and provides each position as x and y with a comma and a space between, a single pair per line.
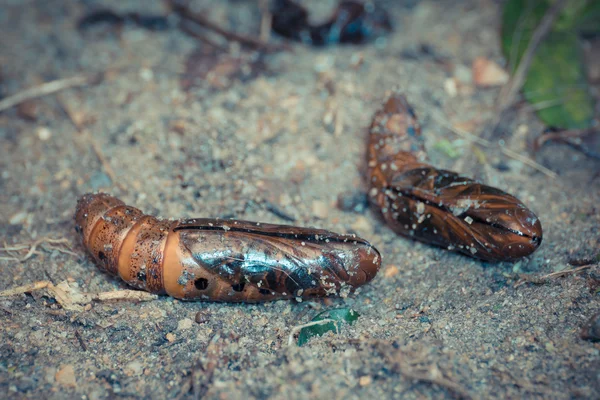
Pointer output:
284, 132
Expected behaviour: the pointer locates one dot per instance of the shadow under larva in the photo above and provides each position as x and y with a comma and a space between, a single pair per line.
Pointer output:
437, 206
218, 259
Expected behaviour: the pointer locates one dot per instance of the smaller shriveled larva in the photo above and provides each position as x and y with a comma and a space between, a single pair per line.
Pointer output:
437, 206
219, 259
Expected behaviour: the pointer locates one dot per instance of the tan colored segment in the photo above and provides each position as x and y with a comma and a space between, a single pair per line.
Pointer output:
173, 266
108, 235
145, 264
128, 274
90, 209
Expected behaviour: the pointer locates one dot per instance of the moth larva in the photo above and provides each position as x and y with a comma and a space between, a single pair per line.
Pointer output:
219, 259
438, 206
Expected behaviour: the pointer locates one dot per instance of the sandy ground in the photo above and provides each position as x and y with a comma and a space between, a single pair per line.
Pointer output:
433, 324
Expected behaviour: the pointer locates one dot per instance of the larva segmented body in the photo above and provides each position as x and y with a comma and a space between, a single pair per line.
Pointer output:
438, 206
221, 260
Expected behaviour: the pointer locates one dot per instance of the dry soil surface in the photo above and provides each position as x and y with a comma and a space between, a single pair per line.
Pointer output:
289, 132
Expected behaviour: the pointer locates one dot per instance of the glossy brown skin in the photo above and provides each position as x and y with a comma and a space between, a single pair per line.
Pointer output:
221, 260
437, 206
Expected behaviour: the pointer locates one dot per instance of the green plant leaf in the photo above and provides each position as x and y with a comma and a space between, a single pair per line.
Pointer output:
338, 315
555, 83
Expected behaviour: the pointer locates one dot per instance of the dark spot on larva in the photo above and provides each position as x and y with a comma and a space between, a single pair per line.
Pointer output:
101, 256
238, 287
201, 283
141, 276
264, 291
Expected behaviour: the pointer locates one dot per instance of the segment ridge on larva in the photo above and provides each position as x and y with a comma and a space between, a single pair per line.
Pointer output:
219, 259
437, 206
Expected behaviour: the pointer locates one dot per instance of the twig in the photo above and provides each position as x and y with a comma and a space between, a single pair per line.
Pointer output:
486, 143
80, 340
545, 278
265, 20
183, 10
95, 148
275, 210
568, 137
33, 247
70, 298
46, 89
31, 287
434, 376
129, 295
298, 328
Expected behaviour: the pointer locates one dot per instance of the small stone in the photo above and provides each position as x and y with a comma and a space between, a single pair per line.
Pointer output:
178, 126
184, 324
66, 376
365, 380
27, 110
146, 74
18, 218
170, 337
202, 317
320, 209
487, 73
134, 368
591, 330
391, 271
285, 200
298, 173
450, 87
362, 225
44, 133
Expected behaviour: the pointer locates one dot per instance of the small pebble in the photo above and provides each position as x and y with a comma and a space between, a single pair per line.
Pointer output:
450, 87
184, 324
487, 73
320, 209
66, 376
44, 133
27, 110
591, 330
134, 368
18, 218
362, 225
365, 380
391, 271
170, 337
202, 317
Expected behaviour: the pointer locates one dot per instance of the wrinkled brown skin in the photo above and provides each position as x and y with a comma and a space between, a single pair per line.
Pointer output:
437, 206
218, 259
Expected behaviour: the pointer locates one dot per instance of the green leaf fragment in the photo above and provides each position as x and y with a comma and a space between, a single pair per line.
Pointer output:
338, 317
555, 84
448, 148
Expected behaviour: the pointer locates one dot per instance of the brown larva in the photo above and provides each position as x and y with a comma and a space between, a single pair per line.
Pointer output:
219, 259
438, 206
